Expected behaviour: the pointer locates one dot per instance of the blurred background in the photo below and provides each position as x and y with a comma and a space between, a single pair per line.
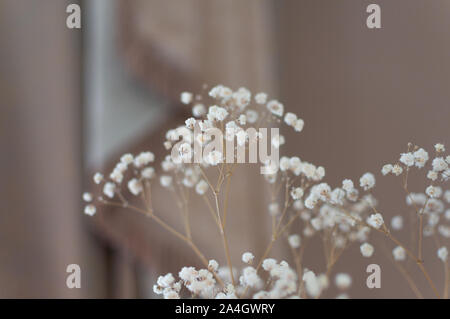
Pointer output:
73, 100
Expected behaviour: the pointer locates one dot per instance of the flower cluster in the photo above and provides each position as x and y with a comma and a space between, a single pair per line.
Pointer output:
301, 206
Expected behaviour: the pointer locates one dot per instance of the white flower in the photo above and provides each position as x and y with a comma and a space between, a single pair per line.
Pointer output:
275, 107
367, 181
165, 180
127, 159
347, 185
87, 197
213, 265
290, 119
386, 169
294, 241
214, 157
312, 284
249, 277
90, 210
432, 175
439, 164
343, 281
109, 189
274, 209
375, 220
247, 257
366, 250
261, 98
337, 196
296, 193
397, 170
420, 157
217, 113
433, 191
201, 187
98, 178
268, 264
198, 110
440, 148
117, 174
447, 159
407, 159
252, 116
190, 123
399, 253
143, 159
277, 141
397, 222
134, 186
299, 124
186, 97
242, 119
442, 253
148, 173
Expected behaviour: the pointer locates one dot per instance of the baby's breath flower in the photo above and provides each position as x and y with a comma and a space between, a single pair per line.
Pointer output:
249, 277
213, 265
442, 253
290, 119
87, 197
375, 220
432, 175
420, 157
214, 157
294, 241
275, 107
148, 173
268, 264
347, 185
397, 170
198, 110
312, 283
386, 169
399, 253
247, 257
201, 187
367, 250
166, 180
407, 159
274, 209
440, 148
298, 125
109, 189
433, 191
90, 210
439, 164
343, 281
127, 159
98, 178
252, 116
397, 222
190, 123
143, 159
297, 193
261, 98
367, 181
186, 97
277, 141
134, 186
